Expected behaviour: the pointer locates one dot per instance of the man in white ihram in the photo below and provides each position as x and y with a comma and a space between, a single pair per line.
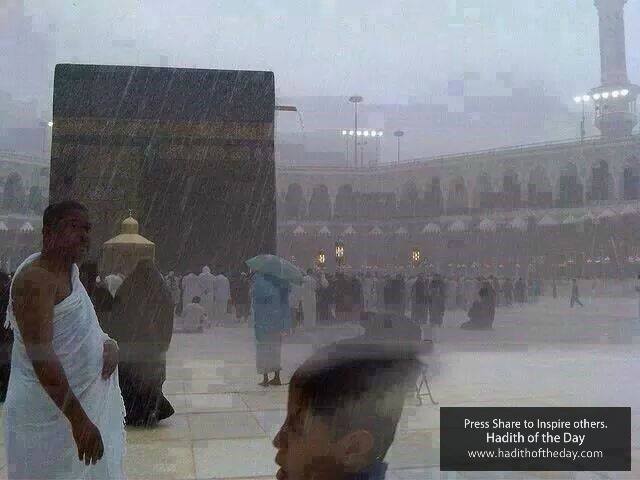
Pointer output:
190, 288
64, 414
221, 295
207, 287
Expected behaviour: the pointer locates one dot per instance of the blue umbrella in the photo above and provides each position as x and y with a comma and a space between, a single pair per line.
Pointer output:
276, 266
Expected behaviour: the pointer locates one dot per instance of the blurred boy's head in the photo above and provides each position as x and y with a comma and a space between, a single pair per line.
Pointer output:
195, 300
343, 409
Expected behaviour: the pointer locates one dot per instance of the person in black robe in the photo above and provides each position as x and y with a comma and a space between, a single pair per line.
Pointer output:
6, 336
495, 284
397, 295
331, 298
242, 297
520, 291
142, 322
323, 301
493, 300
357, 298
507, 291
419, 302
388, 297
480, 312
437, 301
343, 294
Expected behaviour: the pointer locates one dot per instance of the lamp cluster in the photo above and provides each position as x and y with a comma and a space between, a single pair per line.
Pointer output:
362, 133
601, 95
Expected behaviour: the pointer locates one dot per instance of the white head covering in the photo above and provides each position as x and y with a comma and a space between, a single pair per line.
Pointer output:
113, 283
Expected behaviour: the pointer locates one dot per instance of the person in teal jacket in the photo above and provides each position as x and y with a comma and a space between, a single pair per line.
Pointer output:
272, 318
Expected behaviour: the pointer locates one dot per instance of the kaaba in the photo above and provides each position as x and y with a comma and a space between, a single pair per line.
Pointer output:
189, 152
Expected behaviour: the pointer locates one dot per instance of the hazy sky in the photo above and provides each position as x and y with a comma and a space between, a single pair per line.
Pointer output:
384, 50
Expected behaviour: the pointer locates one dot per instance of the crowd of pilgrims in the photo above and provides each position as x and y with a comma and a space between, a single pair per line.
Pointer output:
139, 310
204, 300
424, 297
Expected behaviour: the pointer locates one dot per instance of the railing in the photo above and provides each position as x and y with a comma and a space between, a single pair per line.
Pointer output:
465, 155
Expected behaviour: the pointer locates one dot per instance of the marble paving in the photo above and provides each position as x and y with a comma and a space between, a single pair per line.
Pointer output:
544, 354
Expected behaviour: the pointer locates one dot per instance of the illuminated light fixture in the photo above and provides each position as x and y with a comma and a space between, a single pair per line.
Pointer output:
366, 133
339, 253
373, 133
50, 124
577, 99
624, 92
351, 133
344, 132
358, 133
321, 259
380, 134
615, 94
415, 257
596, 96
586, 98
605, 95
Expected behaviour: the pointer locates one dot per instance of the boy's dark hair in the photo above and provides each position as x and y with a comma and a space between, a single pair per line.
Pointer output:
195, 299
57, 211
353, 386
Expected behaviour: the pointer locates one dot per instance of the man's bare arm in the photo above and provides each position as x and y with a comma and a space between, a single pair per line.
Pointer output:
34, 294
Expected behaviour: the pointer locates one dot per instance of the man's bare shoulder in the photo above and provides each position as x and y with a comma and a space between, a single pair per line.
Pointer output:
34, 280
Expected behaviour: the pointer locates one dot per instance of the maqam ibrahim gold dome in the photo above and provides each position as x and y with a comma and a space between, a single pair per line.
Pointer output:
122, 253
129, 234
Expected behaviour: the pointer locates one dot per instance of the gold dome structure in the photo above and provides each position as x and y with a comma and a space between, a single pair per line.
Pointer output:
122, 253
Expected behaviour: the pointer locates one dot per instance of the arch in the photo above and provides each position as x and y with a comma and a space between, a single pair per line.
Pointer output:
294, 204
511, 189
570, 189
484, 191
320, 203
409, 199
433, 197
345, 206
457, 198
14, 196
631, 180
539, 189
600, 182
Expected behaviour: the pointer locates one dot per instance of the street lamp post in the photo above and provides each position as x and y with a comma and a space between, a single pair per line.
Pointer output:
582, 100
345, 134
355, 99
379, 134
398, 134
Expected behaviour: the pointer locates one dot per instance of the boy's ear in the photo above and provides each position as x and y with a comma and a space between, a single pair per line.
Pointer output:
356, 450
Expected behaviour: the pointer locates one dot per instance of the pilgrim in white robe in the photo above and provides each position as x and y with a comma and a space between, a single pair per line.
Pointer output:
37, 436
190, 289
194, 318
207, 287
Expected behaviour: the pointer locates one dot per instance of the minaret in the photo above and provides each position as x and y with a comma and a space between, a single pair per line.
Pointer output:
615, 98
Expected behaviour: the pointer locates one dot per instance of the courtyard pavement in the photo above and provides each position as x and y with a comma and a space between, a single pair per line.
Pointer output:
544, 354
